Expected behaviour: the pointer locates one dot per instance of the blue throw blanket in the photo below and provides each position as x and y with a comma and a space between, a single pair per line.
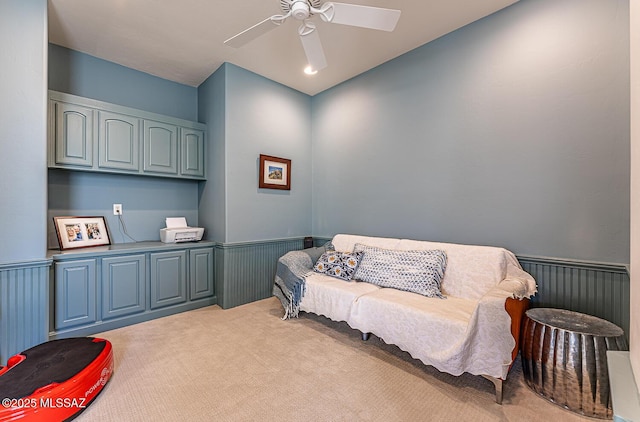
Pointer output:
289, 284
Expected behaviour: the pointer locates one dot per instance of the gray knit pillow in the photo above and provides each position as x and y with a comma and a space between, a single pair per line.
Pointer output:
412, 271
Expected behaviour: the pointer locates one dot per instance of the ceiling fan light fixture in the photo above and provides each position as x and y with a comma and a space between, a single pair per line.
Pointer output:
310, 71
300, 10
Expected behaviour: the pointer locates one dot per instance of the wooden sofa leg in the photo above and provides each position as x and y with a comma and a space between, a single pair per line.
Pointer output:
365, 336
497, 382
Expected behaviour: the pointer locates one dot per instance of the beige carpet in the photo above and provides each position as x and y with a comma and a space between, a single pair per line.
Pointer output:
246, 364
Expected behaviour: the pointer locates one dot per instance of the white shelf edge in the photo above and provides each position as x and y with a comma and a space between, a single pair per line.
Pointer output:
624, 391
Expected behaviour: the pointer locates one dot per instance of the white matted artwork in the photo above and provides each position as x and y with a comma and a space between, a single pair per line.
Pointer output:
275, 173
81, 232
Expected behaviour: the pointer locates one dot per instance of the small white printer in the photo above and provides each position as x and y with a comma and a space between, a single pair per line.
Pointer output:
177, 231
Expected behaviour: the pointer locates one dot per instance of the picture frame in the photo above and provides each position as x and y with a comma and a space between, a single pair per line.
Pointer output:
81, 232
275, 173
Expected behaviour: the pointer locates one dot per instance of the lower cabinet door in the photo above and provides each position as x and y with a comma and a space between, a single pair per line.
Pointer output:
123, 286
200, 273
168, 278
75, 293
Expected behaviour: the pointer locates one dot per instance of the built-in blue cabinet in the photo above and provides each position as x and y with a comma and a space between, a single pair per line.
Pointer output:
90, 135
99, 289
192, 152
200, 273
168, 278
71, 135
118, 141
75, 292
123, 285
160, 148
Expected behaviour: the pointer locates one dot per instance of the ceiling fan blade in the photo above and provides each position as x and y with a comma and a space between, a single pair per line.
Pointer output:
312, 47
252, 33
365, 16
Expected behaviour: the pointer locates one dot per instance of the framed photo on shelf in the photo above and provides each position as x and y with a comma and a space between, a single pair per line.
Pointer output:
275, 173
81, 232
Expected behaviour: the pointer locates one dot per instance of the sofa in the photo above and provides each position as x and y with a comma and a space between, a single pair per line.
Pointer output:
468, 319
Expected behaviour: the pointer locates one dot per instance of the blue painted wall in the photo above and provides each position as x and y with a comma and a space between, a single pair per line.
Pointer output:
146, 201
512, 131
23, 94
211, 109
259, 117
24, 269
77, 73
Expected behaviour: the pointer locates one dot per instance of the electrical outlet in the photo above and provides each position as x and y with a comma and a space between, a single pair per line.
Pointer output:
117, 209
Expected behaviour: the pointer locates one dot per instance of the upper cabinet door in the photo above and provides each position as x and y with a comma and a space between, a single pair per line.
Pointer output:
118, 141
160, 148
73, 135
192, 152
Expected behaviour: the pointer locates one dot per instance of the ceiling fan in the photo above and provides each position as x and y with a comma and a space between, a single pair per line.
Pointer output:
304, 10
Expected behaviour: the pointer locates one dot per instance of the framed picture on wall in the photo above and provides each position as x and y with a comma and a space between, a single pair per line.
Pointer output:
275, 173
81, 232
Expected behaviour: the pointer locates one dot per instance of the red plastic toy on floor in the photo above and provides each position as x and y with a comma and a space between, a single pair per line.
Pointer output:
54, 381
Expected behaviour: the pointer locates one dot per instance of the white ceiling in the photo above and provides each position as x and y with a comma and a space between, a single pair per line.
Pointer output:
182, 40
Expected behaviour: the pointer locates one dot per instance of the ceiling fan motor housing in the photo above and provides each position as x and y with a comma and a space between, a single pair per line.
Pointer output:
300, 9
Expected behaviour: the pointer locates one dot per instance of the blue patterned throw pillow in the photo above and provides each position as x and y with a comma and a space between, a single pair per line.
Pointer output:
412, 271
342, 265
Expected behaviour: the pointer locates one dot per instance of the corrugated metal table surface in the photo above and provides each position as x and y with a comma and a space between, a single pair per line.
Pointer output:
564, 359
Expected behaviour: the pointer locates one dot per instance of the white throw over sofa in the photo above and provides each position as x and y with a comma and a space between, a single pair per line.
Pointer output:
474, 329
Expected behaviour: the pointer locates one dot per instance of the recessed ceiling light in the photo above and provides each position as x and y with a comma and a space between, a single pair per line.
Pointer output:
309, 70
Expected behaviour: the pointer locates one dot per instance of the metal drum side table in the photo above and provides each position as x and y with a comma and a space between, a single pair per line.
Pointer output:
564, 359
